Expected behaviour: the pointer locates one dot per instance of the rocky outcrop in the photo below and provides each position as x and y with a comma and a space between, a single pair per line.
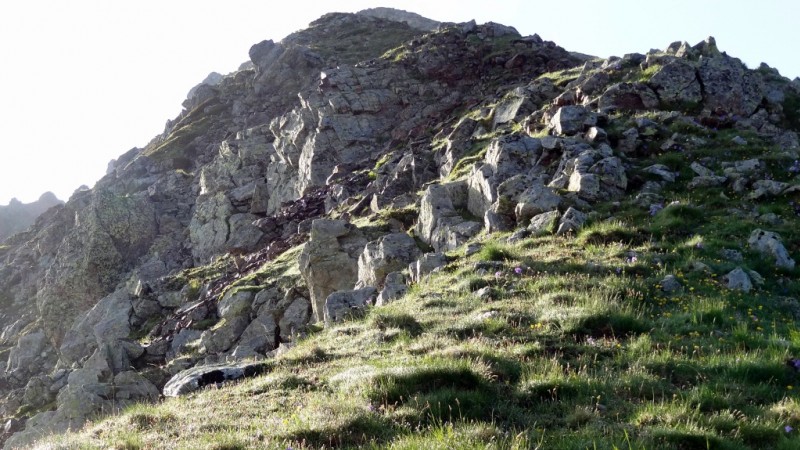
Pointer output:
390, 253
329, 261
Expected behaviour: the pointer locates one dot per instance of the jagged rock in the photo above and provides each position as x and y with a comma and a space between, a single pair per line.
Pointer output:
537, 199
571, 221
243, 235
701, 170
729, 87
209, 228
390, 253
545, 223
25, 358
259, 337
506, 157
393, 288
200, 376
766, 188
294, 318
630, 141
426, 264
106, 323
628, 96
676, 84
222, 336
732, 255
440, 224
180, 343
706, 182
329, 261
396, 15
661, 171
235, 303
769, 244
570, 120
343, 304
737, 279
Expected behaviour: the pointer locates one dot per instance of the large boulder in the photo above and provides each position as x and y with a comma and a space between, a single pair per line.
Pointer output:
343, 304
440, 224
629, 97
329, 260
676, 84
390, 253
571, 120
729, 87
769, 244
198, 377
426, 264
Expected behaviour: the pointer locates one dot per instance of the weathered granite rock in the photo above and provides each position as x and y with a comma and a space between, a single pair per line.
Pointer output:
545, 223
737, 279
394, 287
571, 221
571, 120
729, 87
200, 376
343, 304
329, 261
676, 84
628, 96
440, 224
390, 253
670, 284
769, 244
426, 264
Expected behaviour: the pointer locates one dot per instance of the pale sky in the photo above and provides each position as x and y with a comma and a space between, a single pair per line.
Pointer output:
83, 81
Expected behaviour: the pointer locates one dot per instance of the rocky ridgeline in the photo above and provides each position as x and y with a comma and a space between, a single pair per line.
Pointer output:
18, 216
186, 258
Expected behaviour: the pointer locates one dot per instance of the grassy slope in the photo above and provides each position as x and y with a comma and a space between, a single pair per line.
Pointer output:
582, 349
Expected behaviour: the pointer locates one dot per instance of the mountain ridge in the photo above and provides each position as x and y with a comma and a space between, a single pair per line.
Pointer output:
299, 188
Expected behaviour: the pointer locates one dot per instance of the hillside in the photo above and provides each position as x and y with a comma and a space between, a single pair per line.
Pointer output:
378, 235
18, 216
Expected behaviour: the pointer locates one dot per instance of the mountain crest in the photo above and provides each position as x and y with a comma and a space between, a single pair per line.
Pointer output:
347, 162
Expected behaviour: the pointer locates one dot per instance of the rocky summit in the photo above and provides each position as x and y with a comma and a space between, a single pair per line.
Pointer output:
398, 232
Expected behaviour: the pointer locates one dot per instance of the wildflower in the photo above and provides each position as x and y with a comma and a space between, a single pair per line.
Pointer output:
632, 259
518, 270
788, 428
498, 274
699, 245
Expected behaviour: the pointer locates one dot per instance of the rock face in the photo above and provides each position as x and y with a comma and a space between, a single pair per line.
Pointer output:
244, 221
329, 261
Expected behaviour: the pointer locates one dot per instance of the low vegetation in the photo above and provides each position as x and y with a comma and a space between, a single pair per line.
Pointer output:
578, 346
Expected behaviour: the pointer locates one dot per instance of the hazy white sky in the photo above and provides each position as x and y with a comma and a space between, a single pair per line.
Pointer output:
83, 81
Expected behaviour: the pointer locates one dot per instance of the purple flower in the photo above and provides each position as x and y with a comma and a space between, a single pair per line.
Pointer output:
788, 428
699, 245
619, 270
498, 274
632, 259
518, 270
